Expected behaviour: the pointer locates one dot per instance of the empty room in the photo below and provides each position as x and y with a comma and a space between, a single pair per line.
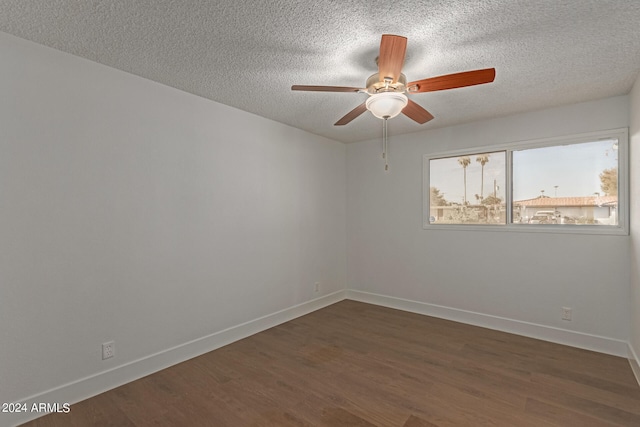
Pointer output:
285, 213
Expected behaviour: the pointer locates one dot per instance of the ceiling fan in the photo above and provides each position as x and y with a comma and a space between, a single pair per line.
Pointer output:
387, 88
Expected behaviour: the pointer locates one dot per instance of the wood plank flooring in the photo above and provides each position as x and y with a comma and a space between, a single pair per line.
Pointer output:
355, 364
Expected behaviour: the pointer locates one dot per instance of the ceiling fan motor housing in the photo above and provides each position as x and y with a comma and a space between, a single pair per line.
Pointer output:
377, 85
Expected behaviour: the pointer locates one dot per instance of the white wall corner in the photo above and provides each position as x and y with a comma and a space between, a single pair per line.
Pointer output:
93, 385
546, 333
634, 178
634, 361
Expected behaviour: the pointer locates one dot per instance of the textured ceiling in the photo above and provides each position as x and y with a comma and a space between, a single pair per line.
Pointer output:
247, 54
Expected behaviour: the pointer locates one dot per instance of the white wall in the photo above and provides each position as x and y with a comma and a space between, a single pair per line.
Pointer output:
134, 212
522, 278
634, 137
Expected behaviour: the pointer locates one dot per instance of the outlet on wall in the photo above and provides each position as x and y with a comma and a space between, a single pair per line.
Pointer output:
566, 313
316, 287
108, 350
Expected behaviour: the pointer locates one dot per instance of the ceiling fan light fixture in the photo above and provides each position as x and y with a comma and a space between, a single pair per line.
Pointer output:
386, 105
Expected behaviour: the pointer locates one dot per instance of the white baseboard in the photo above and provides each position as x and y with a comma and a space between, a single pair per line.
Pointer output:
90, 386
532, 330
634, 361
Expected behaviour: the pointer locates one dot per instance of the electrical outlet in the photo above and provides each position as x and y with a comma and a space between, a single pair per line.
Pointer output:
316, 287
566, 313
108, 350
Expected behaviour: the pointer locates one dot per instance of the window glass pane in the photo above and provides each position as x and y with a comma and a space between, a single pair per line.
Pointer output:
468, 189
566, 184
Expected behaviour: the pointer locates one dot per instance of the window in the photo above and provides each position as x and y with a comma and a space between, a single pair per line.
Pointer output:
468, 189
569, 184
566, 184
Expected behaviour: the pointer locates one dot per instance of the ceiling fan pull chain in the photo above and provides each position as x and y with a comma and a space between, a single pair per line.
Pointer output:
385, 145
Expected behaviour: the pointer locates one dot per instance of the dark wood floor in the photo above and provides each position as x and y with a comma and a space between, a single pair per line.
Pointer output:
354, 364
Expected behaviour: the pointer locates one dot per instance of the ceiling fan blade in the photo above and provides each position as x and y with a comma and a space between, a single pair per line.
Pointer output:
417, 113
452, 81
391, 58
326, 88
352, 114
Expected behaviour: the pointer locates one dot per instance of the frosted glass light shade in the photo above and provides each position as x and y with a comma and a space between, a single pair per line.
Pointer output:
386, 104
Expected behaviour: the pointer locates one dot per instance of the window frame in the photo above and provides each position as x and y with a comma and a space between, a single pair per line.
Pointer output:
622, 228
